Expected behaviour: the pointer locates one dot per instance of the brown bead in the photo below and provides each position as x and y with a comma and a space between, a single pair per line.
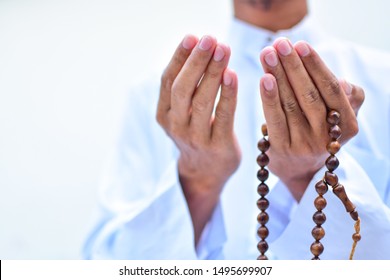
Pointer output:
262, 189
262, 246
333, 147
263, 218
339, 191
262, 174
317, 248
320, 203
264, 130
333, 117
356, 237
262, 160
321, 187
319, 218
335, 132
263, 232
318, 233
262, 203
332, 163
263, 145
354, 214
331, 178
262, 258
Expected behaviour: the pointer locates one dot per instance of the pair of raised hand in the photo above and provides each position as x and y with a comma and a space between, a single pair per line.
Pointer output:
296, 91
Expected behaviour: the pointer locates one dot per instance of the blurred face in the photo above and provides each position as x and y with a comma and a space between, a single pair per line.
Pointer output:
273, 15
262, 4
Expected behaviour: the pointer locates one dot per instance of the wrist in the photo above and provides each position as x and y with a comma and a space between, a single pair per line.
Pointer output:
298, 184
200, 185
199, 181
202, 195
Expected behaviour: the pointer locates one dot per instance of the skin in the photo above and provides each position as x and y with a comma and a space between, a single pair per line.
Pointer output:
273, 15
296, 91
185, 112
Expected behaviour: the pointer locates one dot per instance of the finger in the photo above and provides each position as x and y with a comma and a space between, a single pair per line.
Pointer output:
309, 99
289, 103
354, 94
273, 112
180, 56
188, 79
206, 93
223, 124
328, 85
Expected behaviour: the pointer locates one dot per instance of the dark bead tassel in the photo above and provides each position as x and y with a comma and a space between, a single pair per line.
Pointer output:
262, 190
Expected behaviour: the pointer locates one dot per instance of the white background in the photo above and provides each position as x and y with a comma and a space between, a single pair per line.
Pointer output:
65, 67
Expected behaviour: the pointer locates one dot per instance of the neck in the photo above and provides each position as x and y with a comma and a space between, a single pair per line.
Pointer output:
273, 15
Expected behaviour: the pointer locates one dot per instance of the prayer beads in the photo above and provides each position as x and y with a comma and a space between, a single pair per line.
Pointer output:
262, 189
330, 179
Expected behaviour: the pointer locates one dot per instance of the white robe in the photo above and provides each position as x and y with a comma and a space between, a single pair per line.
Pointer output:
144, 213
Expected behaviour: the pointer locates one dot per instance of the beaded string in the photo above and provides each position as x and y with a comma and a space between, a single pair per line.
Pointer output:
329, 180
319, 218
262, 189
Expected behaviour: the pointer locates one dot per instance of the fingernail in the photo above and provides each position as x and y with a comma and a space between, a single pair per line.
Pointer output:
347, 87
219, 53
188, 42
268, 83
227, 78
205, 43
271, 59
302, 49
284, 47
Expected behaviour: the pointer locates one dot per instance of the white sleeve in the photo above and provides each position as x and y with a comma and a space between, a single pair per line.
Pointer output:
295, 241
156, 228
210, 245
144, 214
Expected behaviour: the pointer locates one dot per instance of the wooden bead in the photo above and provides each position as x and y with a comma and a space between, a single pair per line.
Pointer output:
331, 178
262, 189
262, 258
262, 174
318, 233
264, 130
263, 145
263, 218
262, 203
262, 246
333, 147
333, 117
354, 214
321, 187
263, 232
262, 160
320, 203
319, 218
335, 132
316, 248
356, 237
339, 191
332, 163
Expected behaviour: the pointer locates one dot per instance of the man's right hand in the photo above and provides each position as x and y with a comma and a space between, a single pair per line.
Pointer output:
209, 152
